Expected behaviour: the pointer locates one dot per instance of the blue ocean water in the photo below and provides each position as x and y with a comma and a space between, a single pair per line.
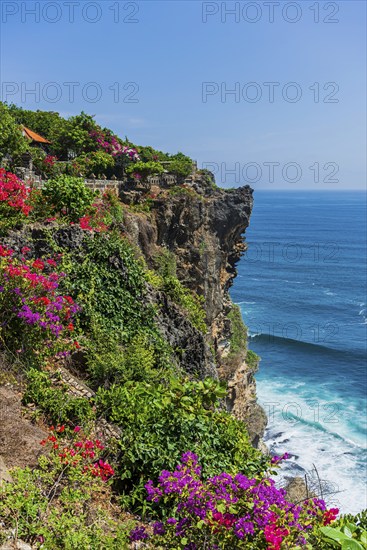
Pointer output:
301, 287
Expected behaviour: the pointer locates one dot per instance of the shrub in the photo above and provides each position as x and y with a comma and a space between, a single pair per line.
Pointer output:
159, 420
68, 195
144, 169
63, 503
228, 511
14, 200
12, 141
56, 403
96, 162
108, 282
180, 164
102, 213
348, 532
36, 320
146, 357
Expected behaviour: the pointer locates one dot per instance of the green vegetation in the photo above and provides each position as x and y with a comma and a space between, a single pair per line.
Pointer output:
158, 421
239, 331
252, 359
11, 140
87, 303
66, 501
68, 195
55, 402
349, 532
145, 169
180, 164
80, 147
166, 279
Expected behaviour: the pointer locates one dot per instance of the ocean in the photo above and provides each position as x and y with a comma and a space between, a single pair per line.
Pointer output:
301, 287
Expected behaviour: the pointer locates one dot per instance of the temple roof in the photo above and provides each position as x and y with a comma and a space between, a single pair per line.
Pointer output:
33, 136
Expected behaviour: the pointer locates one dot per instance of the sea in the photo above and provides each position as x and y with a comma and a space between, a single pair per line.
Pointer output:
301, 287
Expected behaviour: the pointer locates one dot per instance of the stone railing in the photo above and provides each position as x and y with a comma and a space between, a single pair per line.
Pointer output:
103, 185
164, 180
28, 176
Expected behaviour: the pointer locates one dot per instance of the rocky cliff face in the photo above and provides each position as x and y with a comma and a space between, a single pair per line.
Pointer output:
203, 227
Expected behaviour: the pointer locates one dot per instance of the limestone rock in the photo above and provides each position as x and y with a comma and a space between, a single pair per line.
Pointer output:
297, 490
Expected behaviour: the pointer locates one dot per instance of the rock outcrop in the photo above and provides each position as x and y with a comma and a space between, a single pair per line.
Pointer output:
203, 227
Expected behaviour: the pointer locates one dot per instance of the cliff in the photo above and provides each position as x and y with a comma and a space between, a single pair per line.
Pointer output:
203, 227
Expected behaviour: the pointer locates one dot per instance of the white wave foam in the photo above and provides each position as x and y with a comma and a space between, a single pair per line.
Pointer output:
317, 429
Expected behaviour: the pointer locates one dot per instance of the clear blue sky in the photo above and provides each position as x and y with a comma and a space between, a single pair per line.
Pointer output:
173, 48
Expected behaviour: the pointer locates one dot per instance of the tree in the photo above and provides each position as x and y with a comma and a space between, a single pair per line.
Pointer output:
12, 141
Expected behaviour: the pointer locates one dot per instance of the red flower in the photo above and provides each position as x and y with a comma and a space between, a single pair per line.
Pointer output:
4, 252
70, 327
330, 515
38, 264
51, 262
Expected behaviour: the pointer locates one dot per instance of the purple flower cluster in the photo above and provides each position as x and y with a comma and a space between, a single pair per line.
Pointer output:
229, 508
139, 533
110, 144
276, 459
52, 317
29, 293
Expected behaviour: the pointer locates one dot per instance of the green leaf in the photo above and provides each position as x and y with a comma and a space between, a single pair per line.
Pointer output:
346, 530
364, 537
351, 545
200, 524
334, 534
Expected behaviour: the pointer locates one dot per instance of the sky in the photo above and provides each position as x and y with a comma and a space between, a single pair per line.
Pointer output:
269, 93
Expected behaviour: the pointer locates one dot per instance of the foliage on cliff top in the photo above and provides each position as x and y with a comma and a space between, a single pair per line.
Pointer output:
81, 146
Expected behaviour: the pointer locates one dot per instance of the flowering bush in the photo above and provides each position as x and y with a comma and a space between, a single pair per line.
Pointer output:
102, 213
78, 452
161, 419
62, 503
110, 144
14, 196
228, 511
34, 317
